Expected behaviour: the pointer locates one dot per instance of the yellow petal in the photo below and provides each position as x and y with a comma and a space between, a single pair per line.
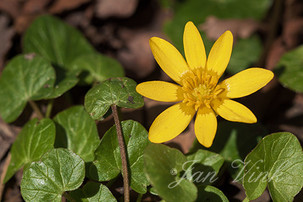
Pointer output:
160, 91
170, 123
233, 111
219, 55
193, 47
206, 126
246, 82
169, 58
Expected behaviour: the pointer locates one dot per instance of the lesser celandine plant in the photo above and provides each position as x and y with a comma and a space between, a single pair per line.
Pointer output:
63, 156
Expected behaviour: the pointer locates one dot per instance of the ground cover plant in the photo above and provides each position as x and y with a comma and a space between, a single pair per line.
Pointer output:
151, 100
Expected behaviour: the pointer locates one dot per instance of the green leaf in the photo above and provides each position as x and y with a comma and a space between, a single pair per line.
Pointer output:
276, 162
97, 67
79, 130
245, 53
210, 193
58, 42
234, 141
64, 82
58, 171
93, 192
289, 69
35, 139
24, 78
117, 91
107, 164
163, 167
203, 166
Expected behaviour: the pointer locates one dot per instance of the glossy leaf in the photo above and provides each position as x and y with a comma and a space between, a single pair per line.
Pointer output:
203, 167
210, 193
78, 130
289, 69
163, 167
58, 42
93, 192
64, 82
107, 164
276, 162
118, 91
35, 139
24, 78
97, 67
58, 171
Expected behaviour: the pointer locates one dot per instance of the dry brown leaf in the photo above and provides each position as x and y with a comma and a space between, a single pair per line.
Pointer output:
137, 57
117, 8
12, 7
242, 28
293, 32
35, 6
63, 5
6, 35
276, 51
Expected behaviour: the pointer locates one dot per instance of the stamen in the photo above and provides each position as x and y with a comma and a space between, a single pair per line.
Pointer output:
198, 86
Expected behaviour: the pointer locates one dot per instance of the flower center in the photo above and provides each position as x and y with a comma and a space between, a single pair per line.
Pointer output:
199, 87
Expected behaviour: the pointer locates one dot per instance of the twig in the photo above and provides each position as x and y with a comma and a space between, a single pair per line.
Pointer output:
3, 174
122, 153
36, 109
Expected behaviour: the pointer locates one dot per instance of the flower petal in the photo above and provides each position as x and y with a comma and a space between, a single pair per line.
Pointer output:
169, 58
193, 47
160, 91
206, 126
233, 111
170, 123
246, 82
219, 55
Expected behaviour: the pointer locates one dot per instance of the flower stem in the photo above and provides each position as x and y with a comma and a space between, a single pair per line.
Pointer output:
36, 109
122, 153
49, 108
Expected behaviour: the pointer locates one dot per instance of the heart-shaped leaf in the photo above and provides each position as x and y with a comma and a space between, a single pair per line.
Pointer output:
97, 67
276, 162
162, 167
289, 69
78, 130
24, 78
35, 139
117, 91
64, 82
203, 166
58, 42
58, 171
93, 192
107, 164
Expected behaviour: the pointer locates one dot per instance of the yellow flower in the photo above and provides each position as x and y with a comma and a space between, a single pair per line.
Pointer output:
198, 89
